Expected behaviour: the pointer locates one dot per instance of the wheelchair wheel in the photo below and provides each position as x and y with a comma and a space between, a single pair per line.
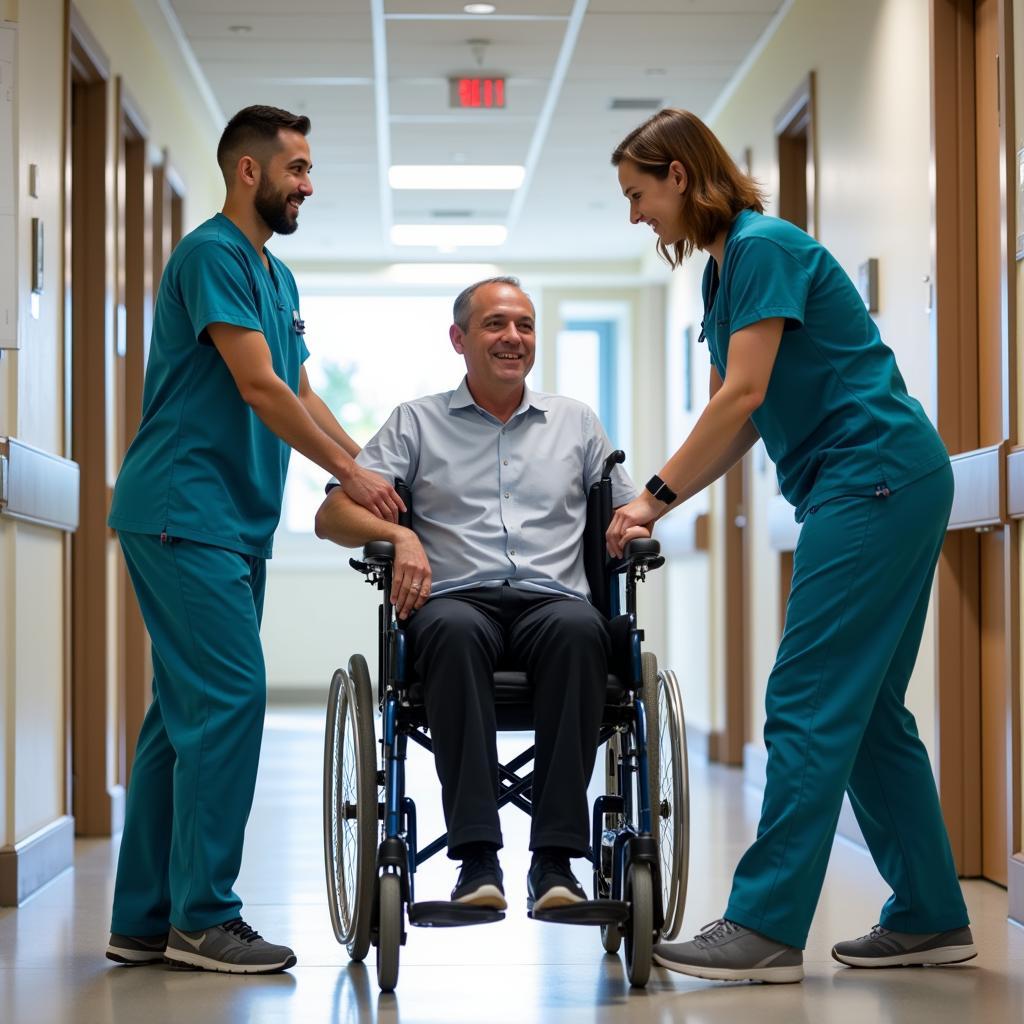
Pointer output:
611, 934
350, 807
673, 800
389, 941
640, 927
652, 706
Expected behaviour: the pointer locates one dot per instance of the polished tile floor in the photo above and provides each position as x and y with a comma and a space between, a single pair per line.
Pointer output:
52, 968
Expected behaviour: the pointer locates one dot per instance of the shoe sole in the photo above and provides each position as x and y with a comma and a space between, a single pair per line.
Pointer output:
945, 956
557, 896
769, 975
133, 957
486, 896
184, 960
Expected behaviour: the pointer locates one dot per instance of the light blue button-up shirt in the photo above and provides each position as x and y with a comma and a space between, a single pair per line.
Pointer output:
493, 501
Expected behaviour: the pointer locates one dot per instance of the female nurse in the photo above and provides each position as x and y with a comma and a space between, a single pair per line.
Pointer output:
797, 361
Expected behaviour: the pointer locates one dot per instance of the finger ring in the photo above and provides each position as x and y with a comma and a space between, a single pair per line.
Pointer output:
414, 586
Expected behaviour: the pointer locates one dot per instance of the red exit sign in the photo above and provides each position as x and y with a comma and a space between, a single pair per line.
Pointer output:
477, 93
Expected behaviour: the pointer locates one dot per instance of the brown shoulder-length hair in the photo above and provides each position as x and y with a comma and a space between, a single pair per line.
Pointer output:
717, 189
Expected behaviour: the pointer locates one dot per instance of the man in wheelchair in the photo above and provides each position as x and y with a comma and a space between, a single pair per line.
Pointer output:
491, 575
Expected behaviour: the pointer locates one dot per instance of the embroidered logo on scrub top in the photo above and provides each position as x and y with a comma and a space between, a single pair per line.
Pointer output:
298, 324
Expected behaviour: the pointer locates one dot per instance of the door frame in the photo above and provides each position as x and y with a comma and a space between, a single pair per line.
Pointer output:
96, 800
981, 501
134, 190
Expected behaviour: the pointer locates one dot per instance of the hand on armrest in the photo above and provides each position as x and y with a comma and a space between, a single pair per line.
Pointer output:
341, 520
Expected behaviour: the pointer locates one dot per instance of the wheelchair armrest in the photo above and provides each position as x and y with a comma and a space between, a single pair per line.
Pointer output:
376, 555
379, 551
642, 551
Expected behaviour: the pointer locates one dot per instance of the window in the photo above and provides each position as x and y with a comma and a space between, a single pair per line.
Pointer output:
367, 354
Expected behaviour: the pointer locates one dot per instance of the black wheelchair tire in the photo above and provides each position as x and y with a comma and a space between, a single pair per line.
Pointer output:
611, 938
389, 939
350, 714
640, 926
649, 695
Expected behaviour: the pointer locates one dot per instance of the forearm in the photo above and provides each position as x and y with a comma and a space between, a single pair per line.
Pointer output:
326, 421
740, 445
341, 520
721, 436
286, 415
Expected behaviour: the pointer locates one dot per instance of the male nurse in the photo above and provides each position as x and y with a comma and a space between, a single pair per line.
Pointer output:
195, 507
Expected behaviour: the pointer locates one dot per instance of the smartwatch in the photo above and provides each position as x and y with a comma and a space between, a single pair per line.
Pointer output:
661, 490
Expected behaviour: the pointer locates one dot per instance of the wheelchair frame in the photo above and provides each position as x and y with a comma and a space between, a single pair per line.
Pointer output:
371, 887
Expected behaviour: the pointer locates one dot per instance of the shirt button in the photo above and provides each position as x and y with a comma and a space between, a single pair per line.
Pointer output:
513, 551
506, 494
504, 462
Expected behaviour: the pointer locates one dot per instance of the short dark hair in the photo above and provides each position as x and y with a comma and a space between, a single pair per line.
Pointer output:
253, 131
717, 191
460, 310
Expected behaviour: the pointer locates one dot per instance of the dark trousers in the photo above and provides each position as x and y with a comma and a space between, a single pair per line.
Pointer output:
563, 645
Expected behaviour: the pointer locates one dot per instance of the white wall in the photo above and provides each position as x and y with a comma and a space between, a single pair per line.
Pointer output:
872, 65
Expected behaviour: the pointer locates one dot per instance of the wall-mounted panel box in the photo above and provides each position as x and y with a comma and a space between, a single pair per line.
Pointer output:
8, 189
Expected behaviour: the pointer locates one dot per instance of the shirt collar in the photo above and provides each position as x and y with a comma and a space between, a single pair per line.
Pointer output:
462, 398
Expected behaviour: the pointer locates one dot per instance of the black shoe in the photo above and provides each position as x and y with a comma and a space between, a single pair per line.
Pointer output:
551, 883
480, 881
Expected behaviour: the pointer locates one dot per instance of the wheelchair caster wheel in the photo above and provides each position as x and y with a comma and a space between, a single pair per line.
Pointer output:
389, 937
640, 927
611, 938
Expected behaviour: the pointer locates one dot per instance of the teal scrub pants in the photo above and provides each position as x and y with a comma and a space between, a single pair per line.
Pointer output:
836, 720
195, 765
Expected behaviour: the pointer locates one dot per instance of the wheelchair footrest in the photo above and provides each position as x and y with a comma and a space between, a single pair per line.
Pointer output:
445, 914
591, 912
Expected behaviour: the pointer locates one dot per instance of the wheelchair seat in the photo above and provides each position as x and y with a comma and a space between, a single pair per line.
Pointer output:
513, 698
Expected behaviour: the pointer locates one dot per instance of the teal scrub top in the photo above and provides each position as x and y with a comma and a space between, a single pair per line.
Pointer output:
836, 419
203, 466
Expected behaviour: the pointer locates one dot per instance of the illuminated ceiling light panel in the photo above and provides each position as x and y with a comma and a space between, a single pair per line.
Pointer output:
465, 177
449, 236
479, 8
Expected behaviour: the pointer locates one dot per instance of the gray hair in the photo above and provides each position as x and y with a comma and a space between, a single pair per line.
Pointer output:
460, 311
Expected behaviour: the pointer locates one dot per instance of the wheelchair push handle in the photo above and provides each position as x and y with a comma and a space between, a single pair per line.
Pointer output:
616, 458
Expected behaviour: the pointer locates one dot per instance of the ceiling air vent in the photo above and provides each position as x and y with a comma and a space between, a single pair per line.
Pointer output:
630, 103
451, 214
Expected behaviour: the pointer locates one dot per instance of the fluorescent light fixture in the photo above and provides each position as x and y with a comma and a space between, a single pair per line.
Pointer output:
448, 235
440, 273
466, 177
479, 8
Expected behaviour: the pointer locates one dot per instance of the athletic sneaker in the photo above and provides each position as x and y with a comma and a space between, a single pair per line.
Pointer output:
480, 881
136, 949
884, 948
231, 948
726, 951
551, 883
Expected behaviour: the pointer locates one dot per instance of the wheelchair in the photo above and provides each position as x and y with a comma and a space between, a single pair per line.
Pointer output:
640, 825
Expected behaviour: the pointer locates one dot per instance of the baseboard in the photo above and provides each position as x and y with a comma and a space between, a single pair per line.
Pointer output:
1016, 888
755, 768
698, 742
30, 864
755, 765
288, 696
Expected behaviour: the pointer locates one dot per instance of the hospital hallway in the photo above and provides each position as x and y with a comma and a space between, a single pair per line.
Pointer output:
52, 968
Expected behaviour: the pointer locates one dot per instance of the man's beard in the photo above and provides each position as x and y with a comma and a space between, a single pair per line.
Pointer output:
272, 206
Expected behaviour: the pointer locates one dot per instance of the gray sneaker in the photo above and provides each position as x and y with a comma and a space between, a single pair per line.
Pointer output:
726, 951
883, 948
231, 948
136, 949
